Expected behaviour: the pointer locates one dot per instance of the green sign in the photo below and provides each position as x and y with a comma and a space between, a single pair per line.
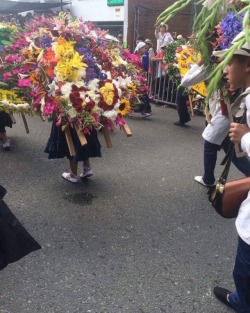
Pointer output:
115, 2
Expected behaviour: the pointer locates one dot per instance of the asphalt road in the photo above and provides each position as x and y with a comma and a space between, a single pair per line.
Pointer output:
139, 236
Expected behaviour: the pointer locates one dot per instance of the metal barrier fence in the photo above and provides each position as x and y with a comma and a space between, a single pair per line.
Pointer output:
161, 88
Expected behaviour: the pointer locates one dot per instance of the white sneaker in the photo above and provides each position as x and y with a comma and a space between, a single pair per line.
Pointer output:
87, 172
199, 179
69, 177
146, 115
6, 145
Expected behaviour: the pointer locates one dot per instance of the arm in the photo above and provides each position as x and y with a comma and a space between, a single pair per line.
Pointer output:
240, 133
245, 143
194, 76
157, 32
151, 53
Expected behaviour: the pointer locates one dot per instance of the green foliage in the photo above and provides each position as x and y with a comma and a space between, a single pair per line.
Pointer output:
171, 62
172, 10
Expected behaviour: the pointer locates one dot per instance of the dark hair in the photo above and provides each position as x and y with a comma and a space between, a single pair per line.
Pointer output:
240, 58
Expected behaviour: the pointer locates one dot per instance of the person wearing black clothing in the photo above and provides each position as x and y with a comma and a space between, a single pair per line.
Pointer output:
15, 241
184, 116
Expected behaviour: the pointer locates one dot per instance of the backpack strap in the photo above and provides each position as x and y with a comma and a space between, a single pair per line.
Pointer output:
236, 105
239, 116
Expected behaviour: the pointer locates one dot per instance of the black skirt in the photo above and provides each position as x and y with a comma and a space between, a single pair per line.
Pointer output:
57, 146
15, 241
5, 120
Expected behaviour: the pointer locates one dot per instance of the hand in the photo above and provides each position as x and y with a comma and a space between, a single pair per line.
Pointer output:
237, 131
201, 62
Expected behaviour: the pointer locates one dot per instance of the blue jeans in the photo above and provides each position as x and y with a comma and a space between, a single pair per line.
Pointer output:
210, 158
240, 299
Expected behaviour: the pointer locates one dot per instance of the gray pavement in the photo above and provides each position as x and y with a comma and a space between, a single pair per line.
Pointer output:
140, 236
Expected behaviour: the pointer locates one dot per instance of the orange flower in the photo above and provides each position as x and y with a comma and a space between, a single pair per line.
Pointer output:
49, 71
49, 56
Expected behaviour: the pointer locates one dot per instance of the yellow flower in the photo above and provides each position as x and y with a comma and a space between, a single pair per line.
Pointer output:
107, 92
132, 87
70, 66
124, 107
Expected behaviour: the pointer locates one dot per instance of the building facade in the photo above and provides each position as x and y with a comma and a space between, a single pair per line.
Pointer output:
131, 17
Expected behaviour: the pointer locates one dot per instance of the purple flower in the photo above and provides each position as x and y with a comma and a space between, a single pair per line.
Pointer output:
92, 71
231, 26
46, 41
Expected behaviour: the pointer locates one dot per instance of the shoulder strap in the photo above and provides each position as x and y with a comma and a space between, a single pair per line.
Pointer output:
235, 106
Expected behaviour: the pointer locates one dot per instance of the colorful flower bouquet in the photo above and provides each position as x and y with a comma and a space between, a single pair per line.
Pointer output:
216, 25
64, 69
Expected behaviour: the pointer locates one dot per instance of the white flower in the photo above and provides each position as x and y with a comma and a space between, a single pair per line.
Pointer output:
42, 102
81, 73
112, 114
116, 83
21, 76
124, 82
52, 89
72, 112
93, 34
93, 84
66, 89
95, 97
108, 75
15, 106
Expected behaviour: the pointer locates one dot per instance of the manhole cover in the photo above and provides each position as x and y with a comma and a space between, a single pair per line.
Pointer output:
80, 198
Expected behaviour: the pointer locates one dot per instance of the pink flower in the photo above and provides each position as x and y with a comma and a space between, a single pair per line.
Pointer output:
49, 108
13, 58
6, 76
25, 82
59, 121
16, 71
86, 130
120, 121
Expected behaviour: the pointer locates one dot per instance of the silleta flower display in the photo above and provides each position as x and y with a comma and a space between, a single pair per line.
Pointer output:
65, 69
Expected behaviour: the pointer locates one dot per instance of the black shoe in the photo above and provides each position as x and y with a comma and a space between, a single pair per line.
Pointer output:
222, 294
180, 124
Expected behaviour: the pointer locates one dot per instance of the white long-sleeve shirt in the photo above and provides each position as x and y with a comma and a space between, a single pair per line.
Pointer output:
216, 131
243, 219
162, 40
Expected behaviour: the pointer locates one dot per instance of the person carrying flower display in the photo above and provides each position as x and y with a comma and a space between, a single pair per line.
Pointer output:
64, 69
237, 73
57, 147
145, 107
215, 133
5, 120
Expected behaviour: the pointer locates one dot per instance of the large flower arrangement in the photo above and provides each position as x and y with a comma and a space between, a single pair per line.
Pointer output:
64, 69
6, 34
218, 22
